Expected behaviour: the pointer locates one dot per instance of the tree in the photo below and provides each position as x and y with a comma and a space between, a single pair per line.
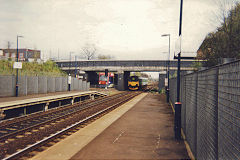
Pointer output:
8, 45
224, 42
105, 57
145, 75
89, 51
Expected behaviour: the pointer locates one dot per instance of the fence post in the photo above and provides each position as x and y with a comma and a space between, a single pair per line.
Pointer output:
216, 82
196, 114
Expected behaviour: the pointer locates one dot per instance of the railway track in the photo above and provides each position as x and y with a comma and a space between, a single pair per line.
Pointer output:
22, 135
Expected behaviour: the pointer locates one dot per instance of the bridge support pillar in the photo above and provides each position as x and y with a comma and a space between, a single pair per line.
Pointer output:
92, 77
126, 75
161, 81
122, 80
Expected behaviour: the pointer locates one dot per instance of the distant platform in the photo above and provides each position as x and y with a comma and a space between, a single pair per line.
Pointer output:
12, 109
31, 101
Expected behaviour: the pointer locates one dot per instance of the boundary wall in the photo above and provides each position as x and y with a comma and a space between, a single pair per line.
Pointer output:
38, 85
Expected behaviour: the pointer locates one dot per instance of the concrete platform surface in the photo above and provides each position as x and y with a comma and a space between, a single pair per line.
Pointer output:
71, 145
144, 132
140, 129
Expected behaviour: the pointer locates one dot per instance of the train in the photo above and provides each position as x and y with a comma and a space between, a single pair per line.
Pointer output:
136, 83
103, 80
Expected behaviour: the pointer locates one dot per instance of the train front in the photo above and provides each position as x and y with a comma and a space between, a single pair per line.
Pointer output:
133, 83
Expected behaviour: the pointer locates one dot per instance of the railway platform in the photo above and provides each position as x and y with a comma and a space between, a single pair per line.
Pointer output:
11, 107
140, 129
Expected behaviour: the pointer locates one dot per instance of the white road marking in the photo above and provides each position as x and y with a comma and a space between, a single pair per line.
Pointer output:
158, 141
118, 136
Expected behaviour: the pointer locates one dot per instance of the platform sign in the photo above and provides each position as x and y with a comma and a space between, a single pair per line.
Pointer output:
17, 65
178, 45
69, 79
166, 82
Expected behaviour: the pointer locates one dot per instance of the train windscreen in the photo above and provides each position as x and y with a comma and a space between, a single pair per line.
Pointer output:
133, 79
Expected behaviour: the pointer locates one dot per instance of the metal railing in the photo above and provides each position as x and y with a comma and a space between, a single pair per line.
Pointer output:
211, 111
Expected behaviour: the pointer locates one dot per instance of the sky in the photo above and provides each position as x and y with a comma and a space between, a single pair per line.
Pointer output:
124, 29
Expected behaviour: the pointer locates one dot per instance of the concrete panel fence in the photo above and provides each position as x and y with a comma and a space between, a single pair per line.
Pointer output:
58, 84
7, 84
51, 84
80, 85
72, 84
75, 84
32, 85
84, 86
64, 84
22, 81
42, 85
88, 86
38, 85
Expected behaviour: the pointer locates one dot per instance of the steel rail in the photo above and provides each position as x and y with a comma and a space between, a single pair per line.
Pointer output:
55, 118
49, 112
37, 114
46, 139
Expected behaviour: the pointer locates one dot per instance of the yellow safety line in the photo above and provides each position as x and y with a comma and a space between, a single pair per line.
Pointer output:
190, 154
172, 107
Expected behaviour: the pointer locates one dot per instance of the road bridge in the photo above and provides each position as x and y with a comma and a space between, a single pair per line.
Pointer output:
123, 65
122, 68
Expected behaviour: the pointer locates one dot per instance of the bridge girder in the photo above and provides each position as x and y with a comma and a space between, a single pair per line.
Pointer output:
118, 65
131, 69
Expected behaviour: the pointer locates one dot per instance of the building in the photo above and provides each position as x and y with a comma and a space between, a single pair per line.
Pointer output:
23, 54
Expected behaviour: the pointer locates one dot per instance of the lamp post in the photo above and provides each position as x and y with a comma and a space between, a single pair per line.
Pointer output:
17, 68
69, 76
168, 63
178, 104
70, 62
75, 66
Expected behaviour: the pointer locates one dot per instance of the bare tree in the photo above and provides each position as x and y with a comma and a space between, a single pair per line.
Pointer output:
224, 42
105, 57
8, 45
89, 51
225, 17
222, 12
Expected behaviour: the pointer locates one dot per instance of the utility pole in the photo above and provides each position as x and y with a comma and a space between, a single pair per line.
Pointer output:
70, 62
167, 72
75, 66
58, 54
178, 104
17, 67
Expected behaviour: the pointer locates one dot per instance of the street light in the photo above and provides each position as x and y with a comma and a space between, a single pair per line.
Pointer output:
70, 57
178, 104
168, 63
69, 76
75, 66
17, 68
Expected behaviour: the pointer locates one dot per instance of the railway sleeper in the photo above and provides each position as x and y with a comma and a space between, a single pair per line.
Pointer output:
75, 115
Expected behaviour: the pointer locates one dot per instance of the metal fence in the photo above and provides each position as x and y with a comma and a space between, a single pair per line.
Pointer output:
211, 111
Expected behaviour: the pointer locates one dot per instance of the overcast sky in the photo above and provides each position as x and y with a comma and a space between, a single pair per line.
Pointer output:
126, 29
